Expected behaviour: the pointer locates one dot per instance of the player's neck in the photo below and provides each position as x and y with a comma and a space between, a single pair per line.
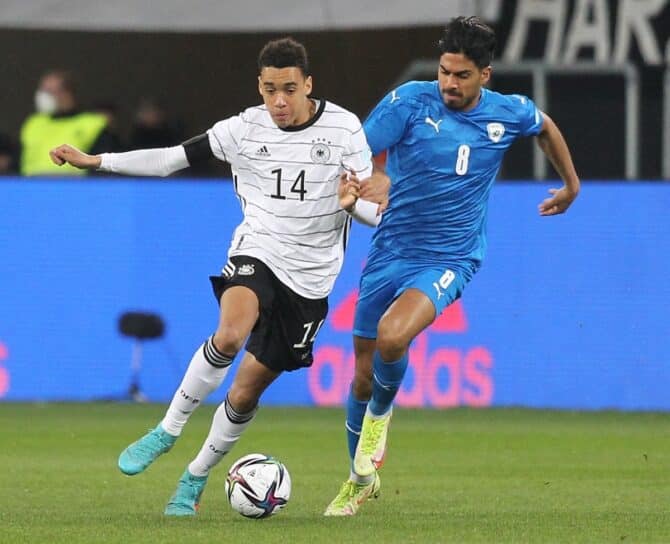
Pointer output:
310, 111
472, 105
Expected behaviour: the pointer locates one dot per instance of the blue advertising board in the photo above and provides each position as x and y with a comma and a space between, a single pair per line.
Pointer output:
567, 312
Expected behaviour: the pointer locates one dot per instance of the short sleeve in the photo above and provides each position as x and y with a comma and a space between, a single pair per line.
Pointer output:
388, 121
224, 138
357, 156
530, 117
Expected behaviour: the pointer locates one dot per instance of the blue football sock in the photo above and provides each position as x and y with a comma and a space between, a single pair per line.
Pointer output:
387, 377
355, 413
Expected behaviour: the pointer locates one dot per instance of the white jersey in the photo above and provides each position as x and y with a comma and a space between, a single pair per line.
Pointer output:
286, 181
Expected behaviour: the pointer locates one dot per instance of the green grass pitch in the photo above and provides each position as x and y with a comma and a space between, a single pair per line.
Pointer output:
450, 476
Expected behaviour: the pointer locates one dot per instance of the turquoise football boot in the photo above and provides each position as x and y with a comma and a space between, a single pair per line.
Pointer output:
140, 454
186, 499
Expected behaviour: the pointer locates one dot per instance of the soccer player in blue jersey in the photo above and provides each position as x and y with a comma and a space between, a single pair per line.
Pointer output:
445, 141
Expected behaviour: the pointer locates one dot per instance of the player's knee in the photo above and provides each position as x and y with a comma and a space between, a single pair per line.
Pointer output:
228, 339
242, 399
391, 340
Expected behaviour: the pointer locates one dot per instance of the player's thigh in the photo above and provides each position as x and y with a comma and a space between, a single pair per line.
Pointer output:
251, 380
378, 286
441, 285
243, 290
238, 312
409, 314
424, 293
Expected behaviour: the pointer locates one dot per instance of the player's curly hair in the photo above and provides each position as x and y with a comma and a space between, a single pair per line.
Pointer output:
471, 37
284, 53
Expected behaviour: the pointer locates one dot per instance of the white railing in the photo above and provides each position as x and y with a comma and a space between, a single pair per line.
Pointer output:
539, 71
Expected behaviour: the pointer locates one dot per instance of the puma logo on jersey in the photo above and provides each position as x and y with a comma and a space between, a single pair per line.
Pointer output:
394, 96
433, 124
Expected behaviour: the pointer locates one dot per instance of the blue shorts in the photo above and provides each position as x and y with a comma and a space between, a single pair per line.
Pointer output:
386, 276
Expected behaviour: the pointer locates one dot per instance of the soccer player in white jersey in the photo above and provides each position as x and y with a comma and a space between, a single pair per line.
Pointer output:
448, 138
296, 164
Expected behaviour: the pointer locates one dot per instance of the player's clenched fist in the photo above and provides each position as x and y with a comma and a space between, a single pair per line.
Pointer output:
67, 154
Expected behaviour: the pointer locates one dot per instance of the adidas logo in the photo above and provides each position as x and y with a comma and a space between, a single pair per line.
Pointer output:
263, 151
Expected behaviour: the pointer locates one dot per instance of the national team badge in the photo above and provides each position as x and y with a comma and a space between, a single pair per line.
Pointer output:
496, 131
246, 270
320, 152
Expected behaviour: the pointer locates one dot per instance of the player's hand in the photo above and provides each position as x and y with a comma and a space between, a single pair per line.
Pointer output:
376, 189
558, 203
71, 155
348, 191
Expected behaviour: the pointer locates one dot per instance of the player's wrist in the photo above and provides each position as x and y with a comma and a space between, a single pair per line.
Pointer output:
366, 212
352, 207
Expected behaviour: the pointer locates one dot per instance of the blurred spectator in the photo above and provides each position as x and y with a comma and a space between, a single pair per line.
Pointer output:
58, 118
111, 112
8, 156
153, 128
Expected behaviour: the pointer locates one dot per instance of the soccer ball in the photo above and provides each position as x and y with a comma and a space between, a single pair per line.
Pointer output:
258, 485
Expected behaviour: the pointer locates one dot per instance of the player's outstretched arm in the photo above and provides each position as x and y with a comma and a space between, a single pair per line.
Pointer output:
71, 155
143, 162
553, 145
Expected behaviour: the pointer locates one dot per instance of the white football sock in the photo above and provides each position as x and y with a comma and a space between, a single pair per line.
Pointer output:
227, 427
207, 370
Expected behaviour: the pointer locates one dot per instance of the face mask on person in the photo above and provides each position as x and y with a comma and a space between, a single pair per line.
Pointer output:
45, 102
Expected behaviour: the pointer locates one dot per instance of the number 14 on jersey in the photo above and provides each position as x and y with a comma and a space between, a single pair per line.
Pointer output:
298, 186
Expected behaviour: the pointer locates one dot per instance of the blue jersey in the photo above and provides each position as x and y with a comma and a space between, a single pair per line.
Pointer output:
442, 164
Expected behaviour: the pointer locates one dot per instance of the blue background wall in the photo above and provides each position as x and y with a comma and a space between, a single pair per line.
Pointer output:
567, 312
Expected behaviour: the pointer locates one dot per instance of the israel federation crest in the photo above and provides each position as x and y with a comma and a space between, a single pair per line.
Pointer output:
496, 131
320, 153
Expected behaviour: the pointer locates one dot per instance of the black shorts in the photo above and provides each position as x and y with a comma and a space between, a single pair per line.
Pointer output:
283, 337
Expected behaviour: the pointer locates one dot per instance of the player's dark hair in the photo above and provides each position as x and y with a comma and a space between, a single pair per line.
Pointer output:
284, 53
471, 37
